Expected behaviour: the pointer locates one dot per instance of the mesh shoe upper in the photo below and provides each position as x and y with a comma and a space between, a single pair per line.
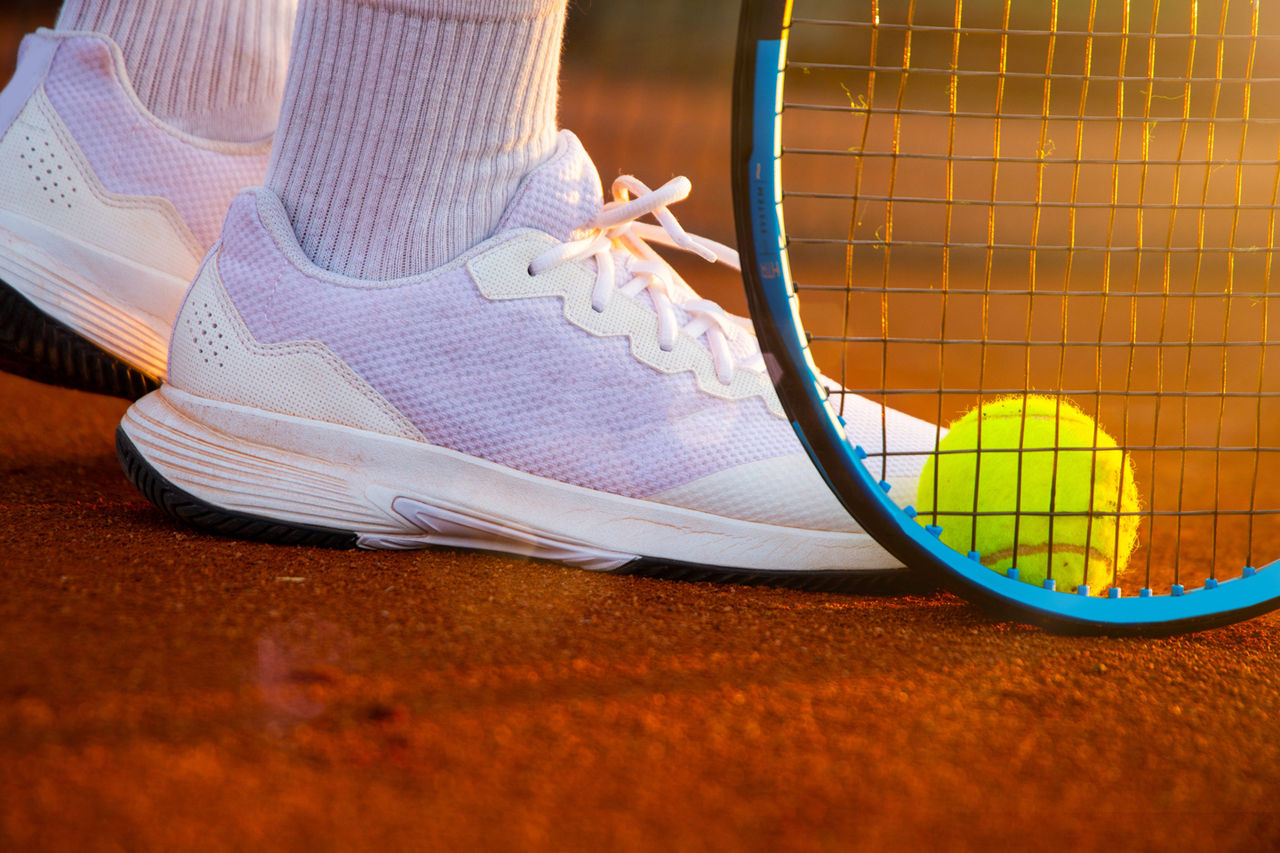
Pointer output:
511, 380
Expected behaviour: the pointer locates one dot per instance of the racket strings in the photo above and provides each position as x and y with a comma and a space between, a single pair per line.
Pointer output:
1040, 197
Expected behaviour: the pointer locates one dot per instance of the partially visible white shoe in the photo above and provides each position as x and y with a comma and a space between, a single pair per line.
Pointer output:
556, 392
105, 213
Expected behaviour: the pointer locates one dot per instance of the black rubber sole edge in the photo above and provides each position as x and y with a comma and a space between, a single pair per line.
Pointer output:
202, 515
863, 582
36, 346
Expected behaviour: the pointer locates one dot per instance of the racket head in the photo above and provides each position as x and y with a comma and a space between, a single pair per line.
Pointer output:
1148, 608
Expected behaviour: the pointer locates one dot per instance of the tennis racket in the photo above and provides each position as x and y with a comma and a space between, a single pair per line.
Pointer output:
942, 204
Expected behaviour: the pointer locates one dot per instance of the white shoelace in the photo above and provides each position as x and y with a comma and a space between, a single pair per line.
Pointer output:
616, 229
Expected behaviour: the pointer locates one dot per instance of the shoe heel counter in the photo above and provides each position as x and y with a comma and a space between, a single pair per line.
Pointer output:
35, 55
47, 185
214, 355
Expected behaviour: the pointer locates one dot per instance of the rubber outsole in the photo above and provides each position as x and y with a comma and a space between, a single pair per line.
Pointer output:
864, 582
204, 516
36, 346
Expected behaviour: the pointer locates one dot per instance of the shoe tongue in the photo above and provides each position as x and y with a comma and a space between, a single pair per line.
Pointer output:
559, 196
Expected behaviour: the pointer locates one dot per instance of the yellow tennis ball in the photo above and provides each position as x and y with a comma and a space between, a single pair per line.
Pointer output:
1068, 511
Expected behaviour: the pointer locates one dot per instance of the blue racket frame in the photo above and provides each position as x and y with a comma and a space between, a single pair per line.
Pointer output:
774, 307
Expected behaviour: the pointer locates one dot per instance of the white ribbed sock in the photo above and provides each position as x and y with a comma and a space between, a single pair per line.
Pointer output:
408, 124
213, 68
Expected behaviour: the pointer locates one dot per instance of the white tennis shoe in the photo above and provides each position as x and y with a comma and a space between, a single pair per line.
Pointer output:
557, 392
105, 213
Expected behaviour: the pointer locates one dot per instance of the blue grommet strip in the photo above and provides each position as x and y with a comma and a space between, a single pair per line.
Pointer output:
1145, 592
885, 486
1176, 589
1050, 583
1210, 583
1083, 589
1113, 592
934, 529
1012, 573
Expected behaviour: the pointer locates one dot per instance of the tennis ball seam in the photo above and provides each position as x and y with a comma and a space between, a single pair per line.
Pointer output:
1036, 550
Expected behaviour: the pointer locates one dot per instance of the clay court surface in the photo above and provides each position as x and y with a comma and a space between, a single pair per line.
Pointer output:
165, 690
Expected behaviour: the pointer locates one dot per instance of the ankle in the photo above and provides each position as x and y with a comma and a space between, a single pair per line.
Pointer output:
456, 105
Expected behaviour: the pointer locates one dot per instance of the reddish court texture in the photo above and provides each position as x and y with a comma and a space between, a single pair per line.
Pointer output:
165, 689
162, 689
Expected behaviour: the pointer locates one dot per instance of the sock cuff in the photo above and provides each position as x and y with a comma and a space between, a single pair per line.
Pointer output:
403, 136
